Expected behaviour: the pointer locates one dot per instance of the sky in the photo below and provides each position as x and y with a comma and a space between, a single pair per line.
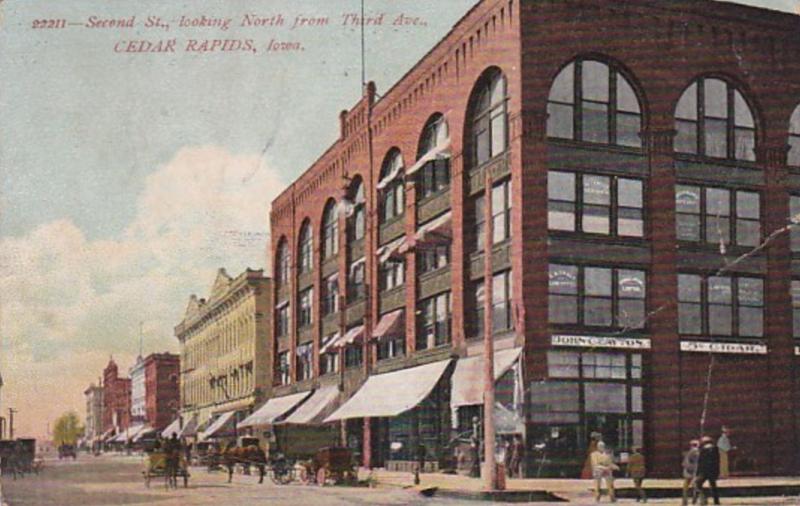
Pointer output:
128, 178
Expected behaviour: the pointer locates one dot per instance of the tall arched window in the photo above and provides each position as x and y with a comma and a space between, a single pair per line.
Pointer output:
489, 120
794, 138
713, 119
391, 186
284, 260
432, 170
358, 213
330, 230
305, 249
591, 101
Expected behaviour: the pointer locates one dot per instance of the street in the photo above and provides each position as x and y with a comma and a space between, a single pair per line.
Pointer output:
115, 479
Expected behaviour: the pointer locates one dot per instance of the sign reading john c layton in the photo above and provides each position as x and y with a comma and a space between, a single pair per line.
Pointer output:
629, 343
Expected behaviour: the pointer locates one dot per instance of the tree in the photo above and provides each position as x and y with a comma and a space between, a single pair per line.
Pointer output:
67, 429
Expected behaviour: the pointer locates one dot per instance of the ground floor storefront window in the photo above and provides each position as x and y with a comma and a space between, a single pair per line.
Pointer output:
587, 393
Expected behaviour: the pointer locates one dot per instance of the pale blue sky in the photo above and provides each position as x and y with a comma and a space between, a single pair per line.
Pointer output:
127, 180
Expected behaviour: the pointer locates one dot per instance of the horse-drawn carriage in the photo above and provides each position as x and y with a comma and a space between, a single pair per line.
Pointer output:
157, 465
19, 457
333, 465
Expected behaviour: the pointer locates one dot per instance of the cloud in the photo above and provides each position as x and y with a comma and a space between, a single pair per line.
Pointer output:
67, 302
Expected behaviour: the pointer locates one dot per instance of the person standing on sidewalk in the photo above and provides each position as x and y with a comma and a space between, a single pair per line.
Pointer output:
690, 470
724, 445
603, 468
637, 470
707, 469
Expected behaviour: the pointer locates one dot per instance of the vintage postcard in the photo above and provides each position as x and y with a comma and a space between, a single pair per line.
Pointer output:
399, 251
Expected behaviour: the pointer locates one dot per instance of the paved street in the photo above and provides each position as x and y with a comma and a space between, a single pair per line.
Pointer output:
116, 480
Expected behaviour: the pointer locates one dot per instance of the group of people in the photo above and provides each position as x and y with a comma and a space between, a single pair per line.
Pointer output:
704, 462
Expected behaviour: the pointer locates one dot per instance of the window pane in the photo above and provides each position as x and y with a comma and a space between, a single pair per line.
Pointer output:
563, 87
748, 232
626, 98
597, 312
563, 309
628, 128
688, 288
562, 364
596, 190
719, 290
716, 98
595, 81
630, 222
482, 146
499, 133
561, 216
686, 137
720, 320
597, 281
687, 105
716, 136
561, 186
689, 319
687, 199
718, 202
751, 322
742, 114
631, 314
629, 192
631, 284
636, 399
794, 150
605, 398
794, 217
751, 291
560, 121
748, 205
563, 279
718, 230
745, 144
596, 219
595, 122
688, 227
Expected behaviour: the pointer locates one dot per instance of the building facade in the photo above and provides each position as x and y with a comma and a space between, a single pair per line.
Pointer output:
620, 226
116, 399
138, 392
94, 412
225, 363
162, 389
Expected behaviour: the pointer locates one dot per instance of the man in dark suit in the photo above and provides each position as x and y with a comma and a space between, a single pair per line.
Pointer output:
707, 469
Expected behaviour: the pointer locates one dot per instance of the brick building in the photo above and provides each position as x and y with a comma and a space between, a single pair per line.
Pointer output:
604, 188
94, 412
162, 389
116, 399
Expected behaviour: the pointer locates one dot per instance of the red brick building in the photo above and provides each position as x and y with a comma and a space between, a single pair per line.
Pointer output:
624, 173
162, 388
116, 399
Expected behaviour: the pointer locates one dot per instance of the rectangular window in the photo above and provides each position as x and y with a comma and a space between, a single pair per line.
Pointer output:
330, 295
597, 296
392, 274
356, 289
392, 346
283, 368
433, 321
353, 356
561, 201
717, 215
720, 306
596, 204
328, 362
502, 318
479, 295
282, 320
479, 212
563, 364
432, 178
433, 257
794, 217
304, 361
305, 305
796, 308
501, 212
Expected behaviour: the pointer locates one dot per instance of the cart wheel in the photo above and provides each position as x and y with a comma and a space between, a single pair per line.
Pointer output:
322, 476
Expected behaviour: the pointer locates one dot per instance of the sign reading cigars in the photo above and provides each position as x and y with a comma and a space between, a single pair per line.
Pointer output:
626, 343
717, 347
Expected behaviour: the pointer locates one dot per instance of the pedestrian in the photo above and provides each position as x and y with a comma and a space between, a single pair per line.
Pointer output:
637, 469
690, 470
594, 438
421, 452
172, 452
707, 469
603, 468
517, 457
724, 446
475, 452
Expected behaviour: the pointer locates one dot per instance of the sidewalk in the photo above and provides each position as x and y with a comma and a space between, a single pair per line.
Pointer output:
569, 490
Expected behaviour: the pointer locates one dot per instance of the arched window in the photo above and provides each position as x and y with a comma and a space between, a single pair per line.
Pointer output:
794, 138
305, 249
391, 186
489, 119
358, 213
432, 170
591, 101
330, 230
713, 119
284, 260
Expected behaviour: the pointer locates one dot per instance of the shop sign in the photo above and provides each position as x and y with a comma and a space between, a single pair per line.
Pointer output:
625, 343
716, 347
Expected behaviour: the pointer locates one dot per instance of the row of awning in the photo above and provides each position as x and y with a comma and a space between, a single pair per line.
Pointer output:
134, 433
390, 324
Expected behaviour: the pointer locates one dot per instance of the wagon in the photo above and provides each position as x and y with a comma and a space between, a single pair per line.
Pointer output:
156, 467
333, 464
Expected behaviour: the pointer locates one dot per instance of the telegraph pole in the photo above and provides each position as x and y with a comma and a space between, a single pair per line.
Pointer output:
11, 412
490, 469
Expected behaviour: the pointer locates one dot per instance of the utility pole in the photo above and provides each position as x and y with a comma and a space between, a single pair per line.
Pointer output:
490, 469
11, 412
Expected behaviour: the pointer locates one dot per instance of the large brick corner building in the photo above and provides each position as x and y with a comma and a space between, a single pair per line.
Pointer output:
605, 188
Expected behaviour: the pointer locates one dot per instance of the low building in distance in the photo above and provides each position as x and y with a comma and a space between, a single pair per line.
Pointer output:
94, 412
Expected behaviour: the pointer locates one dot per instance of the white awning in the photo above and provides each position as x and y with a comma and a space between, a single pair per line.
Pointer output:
391, 250
172, 428
357, 263
397, 166
352, 336
189, 428
273, 409
129, 433
392, 393
145, 431
329, 343
440, 152
313, 410
467, 381
221, 423
107, 434
389, 324
436, 229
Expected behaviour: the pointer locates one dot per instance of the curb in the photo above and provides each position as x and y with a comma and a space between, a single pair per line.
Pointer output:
508, 496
